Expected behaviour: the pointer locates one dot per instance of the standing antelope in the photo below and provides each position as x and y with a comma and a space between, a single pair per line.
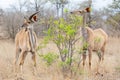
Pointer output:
96, 40
26, 41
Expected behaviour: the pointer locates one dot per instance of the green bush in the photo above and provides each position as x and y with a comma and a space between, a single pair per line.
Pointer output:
49, 58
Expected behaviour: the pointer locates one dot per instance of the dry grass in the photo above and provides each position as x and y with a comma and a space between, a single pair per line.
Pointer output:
110, 67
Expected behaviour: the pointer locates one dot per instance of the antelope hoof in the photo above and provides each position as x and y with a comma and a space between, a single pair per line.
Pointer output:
98, 73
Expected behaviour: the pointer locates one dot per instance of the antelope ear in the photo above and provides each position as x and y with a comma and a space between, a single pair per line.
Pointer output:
34, 18
88, 9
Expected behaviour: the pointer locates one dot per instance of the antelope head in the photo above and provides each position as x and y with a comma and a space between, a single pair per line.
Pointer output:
86, 10
28, 22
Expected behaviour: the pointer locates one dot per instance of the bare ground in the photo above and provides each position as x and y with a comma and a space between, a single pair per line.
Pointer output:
110, 67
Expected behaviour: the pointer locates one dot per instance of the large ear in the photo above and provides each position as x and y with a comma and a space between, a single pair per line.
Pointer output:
33, 17
88, 9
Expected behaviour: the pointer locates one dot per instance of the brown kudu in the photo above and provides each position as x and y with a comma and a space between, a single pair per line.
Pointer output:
26, 41
96, 39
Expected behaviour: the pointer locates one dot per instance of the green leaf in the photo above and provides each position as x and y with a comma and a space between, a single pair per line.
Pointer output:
50, 58
65, 10
62, 26
64, 51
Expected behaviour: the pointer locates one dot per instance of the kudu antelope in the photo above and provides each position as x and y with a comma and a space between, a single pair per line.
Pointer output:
26, 41
96, 40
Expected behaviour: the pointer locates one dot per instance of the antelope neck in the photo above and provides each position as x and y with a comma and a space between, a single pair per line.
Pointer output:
30, 27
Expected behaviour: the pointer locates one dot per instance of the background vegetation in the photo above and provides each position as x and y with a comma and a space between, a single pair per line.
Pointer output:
12, 18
